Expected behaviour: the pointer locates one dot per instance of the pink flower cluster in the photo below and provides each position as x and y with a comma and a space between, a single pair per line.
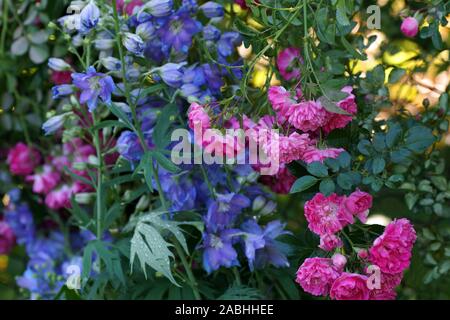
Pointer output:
49, 179
327, 216
310, 116
391, 253
7, 238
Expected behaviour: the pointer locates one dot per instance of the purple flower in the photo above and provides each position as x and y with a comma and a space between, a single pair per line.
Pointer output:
145, 30
178, 31
218, 250
211, 33
133, 43
228, 42
129, 147
93, 85
57, 64
260, 245
89, 17
223, 211
171, 74
157, 8
212, 9
20, 219
62, 90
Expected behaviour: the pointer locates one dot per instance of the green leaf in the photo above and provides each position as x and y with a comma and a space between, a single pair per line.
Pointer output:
378, 165
317, 169
341, 14
303, 184
393, 135
327, 187
120, 114
241, 292
161, 136
344, 159
396, 75
345, 181
146, 165
364, 146
331, 106
164, 162
419, 138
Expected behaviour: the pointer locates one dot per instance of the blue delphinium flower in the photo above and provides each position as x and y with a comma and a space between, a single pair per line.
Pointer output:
211, 33
93, 85
62, 90
178, 189
228, 42
218, 250
111, 63
189, 6
171, 74
178, 31
223, 211
20, 219
157, 8
57, 64
55, 123
212, 9
89, 17
129, 147
133, 43
260, 245
146, 30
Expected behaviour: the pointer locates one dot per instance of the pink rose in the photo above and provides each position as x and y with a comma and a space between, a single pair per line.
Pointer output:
23, 159
363, 254
288, 62
391, 251
326, 215
359, 203
410, 27
316, 275
282, 102
329, 242
313, 154
350, 286
198, 116
339, 261
388, 283
129, 7
7, 238
308, 116
44, 181
338, 121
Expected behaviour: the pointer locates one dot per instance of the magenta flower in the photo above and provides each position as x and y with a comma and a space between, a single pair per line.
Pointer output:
358, 204
326, 215
45, 181
316, 276
308, 116
329, 242
338, 121
7, 238
198, 116
22, 159
282, 102
350, 286
391, 251
410, 27
288, 62
313, 154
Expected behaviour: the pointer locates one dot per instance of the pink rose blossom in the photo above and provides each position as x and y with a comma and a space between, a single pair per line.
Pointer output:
339, 261
329, 242
308, 116
391, 251
198, 115
338, 121
316, 275
45, 181
23, 159
313, 154
350, 286
363, 254
288, 61
410, 27
326, 215
282, 102
129, 7
7, 238
388, 283
359, 203
286, 148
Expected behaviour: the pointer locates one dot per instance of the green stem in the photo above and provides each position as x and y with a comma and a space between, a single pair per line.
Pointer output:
4, 27
237, 276
99, 190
